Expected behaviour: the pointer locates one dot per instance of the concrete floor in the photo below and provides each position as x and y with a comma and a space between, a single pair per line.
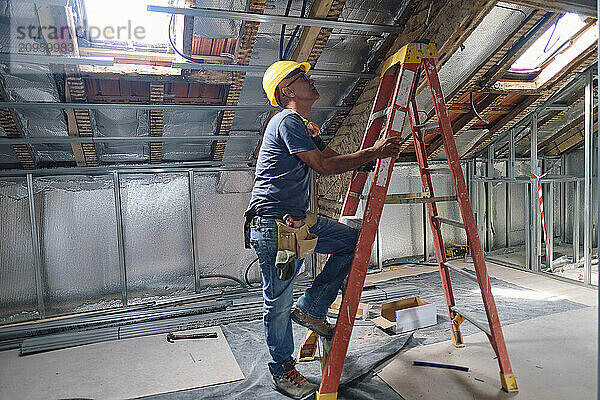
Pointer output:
553, 357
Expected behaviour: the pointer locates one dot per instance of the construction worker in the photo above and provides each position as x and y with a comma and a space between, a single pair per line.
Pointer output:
290, 147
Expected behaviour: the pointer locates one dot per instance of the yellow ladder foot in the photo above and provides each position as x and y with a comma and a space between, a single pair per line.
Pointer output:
325, 396
509, 382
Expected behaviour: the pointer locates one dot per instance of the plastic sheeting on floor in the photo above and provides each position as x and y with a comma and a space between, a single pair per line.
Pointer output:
368, 347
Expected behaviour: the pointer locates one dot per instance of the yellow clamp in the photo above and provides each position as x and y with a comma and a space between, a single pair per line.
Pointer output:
412, 53
457, 339
509, 382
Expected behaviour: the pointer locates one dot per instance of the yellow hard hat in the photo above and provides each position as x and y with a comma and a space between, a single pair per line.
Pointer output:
276, 73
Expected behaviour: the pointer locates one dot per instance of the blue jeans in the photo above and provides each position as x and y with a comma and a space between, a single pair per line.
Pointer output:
336, 239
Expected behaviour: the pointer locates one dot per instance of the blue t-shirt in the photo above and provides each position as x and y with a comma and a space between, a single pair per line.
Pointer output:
281, 184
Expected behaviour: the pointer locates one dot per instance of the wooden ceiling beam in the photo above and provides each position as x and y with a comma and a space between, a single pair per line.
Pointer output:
309, 35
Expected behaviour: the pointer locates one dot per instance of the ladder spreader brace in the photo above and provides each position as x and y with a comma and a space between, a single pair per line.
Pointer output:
395, 100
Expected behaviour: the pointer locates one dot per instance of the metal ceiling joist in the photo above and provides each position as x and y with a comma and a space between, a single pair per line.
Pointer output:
54, 59
276, 19
135, 106
261, 69
11, 125
200, 166
108, 139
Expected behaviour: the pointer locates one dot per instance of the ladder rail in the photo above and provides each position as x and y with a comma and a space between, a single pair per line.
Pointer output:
438, 242
332, 370
384, 92
467, 215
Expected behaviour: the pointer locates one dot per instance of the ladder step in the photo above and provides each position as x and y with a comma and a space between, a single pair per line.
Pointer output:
481, 325
429, 126
379, 114
441, 171
460, 271
450, 222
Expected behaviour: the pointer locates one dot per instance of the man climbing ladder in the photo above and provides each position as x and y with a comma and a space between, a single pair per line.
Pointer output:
393, 103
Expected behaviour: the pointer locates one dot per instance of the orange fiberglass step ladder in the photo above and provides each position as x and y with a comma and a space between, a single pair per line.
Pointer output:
394, 102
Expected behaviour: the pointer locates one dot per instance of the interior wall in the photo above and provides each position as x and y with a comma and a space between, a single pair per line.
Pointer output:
79, 246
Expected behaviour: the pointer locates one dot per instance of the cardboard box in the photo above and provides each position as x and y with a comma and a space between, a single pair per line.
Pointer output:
406, 315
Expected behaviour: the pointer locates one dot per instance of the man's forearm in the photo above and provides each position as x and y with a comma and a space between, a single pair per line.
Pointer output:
347, 162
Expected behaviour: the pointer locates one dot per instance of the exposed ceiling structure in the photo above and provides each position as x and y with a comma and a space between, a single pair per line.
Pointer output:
188, 91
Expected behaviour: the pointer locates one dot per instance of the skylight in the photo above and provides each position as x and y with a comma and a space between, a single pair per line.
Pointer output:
126, 21
547, 44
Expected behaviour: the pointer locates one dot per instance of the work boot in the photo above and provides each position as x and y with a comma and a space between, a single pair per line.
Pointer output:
292, 383
319, 326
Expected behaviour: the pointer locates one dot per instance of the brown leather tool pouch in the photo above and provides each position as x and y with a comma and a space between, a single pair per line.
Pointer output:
299, 239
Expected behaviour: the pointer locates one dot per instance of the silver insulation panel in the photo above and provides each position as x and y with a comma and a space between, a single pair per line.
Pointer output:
78, 241
220, 227
157, 233
18, 298
218, 27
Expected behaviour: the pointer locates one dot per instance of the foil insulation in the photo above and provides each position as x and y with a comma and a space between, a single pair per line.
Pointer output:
218, 27
18, 299
184, 123
221, 240
157, 234
77, 226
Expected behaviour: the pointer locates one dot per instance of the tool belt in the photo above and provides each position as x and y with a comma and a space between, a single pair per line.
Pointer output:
294, 242
298, 239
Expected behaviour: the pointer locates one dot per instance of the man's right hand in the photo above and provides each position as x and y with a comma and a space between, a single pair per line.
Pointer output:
388, 147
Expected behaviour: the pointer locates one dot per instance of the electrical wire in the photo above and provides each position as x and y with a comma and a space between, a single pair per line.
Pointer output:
475, 111
282, 36
550, 38
233, 278
283, 54
510, 8
295, 33
192, 59
248, 270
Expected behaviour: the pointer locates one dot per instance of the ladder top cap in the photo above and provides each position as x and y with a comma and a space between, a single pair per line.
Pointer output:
411, 53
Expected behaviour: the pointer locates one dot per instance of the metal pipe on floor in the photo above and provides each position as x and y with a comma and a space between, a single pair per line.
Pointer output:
35, 243
120, 237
